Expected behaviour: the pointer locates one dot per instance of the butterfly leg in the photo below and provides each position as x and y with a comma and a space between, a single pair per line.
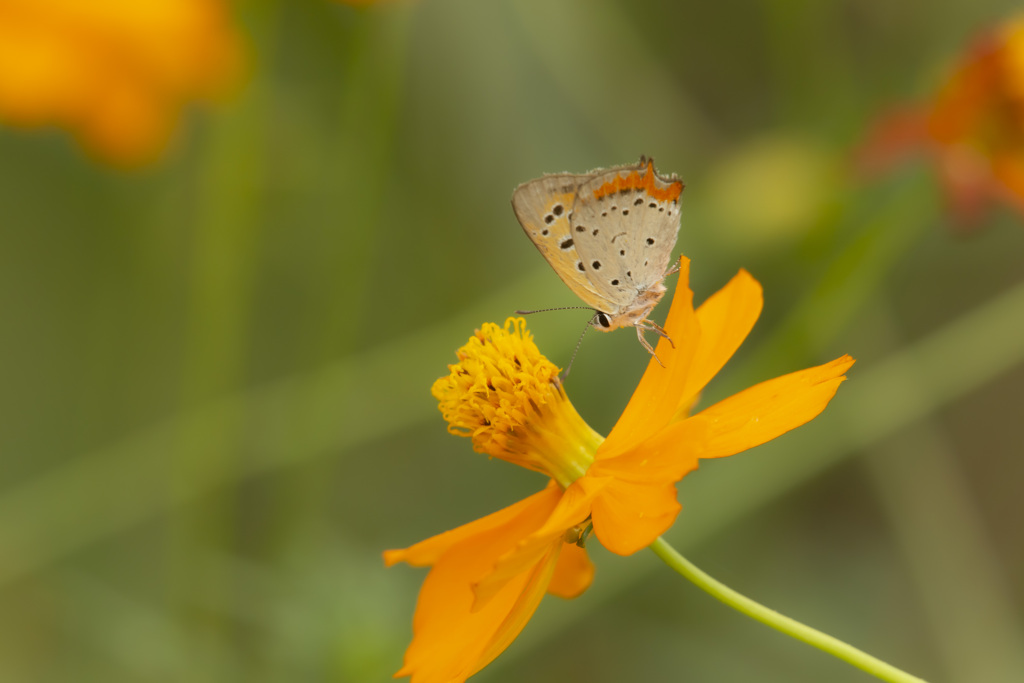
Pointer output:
674, 269
646, 344
651, 325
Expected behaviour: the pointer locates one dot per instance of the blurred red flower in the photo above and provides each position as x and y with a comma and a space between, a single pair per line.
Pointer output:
972, 129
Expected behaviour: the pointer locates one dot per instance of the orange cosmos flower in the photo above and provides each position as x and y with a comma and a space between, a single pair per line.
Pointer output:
973, 128
117, 74
488, 576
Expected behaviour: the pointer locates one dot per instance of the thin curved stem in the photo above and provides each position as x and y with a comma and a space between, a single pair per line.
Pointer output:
790, 627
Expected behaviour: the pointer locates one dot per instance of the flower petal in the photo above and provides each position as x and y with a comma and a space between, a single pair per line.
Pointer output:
427, 552
634, 493
512, 564
771, 408
725, 319
629, 516
573, 573
572, 509
663, 458
451, 640
455, 633
656, 398
528, 597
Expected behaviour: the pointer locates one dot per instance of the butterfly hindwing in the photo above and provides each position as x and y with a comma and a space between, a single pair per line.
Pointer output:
624, 223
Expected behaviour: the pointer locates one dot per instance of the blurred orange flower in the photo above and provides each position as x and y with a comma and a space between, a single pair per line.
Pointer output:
488, 576
116, 74
973, 128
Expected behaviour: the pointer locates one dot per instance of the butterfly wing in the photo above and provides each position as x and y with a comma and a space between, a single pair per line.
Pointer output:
543, 207
624, 225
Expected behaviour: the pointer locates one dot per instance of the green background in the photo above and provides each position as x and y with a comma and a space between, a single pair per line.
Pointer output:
215, 372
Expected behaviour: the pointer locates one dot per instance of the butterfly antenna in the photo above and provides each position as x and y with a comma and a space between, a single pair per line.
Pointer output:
565, 373
560, 308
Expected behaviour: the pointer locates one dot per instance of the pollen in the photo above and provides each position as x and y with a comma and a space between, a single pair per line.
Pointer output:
507, 397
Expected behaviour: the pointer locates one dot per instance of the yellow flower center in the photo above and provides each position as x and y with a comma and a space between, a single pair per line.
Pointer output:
508, 398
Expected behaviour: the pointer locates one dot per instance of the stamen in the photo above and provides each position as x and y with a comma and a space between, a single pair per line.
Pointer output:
507, 397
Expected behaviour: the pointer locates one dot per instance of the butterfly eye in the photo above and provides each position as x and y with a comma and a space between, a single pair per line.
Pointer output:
602, 320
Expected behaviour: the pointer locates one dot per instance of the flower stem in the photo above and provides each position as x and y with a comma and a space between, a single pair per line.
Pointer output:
790, 627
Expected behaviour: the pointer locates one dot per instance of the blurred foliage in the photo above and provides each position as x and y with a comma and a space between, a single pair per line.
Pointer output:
216, 371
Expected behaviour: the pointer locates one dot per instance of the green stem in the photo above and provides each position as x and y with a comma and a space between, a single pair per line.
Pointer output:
790, 627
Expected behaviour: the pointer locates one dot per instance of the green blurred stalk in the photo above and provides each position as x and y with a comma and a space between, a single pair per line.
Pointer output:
232, 177
853, 278
363, 144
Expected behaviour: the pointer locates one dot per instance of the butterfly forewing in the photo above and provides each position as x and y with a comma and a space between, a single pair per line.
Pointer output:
543, 207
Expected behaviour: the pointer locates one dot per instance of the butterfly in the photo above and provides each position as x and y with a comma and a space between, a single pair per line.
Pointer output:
609, 235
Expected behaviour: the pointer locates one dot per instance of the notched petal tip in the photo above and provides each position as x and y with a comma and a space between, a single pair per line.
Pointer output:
835, 369
393, 557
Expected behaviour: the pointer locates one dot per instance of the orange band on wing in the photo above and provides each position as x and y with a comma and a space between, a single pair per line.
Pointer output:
635, 181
